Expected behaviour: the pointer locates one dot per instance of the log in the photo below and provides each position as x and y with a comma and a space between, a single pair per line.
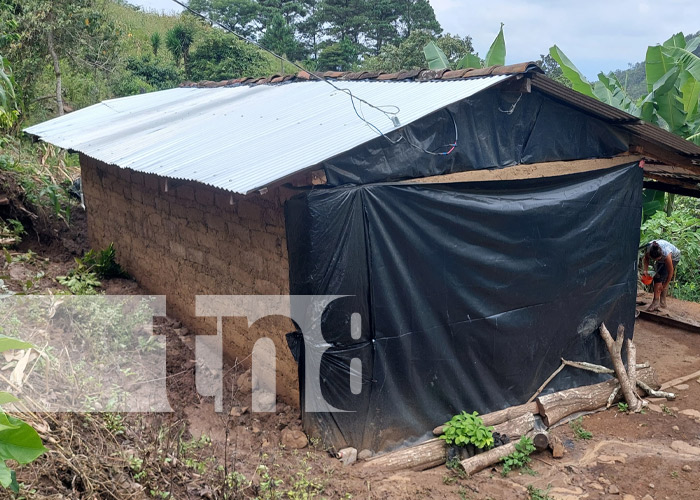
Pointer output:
500, 416
556, 446
519, 426
558, 405
422, 456
479, 462
541, 440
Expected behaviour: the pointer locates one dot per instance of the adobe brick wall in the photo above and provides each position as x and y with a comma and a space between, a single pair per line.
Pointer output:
195, 240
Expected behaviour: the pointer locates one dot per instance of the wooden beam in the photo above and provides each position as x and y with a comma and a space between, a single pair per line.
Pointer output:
527, 171
672, 188
667, 319
668, 157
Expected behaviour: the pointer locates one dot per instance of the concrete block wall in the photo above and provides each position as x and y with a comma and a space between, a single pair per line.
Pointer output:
194, 240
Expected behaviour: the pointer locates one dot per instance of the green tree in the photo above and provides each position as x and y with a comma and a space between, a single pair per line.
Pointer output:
344, 19
240, 16
222, 56
417, 15
155, 43
279, 38
8, 103
54, 30
178, 41
340, 56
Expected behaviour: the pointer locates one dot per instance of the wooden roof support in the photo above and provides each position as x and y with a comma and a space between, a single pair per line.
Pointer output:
672, 188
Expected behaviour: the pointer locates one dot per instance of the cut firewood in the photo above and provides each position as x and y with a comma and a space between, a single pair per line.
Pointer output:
556, 446
479, 462
540, 440
422, 456
615, 350
519, 426
558, 405
500, 416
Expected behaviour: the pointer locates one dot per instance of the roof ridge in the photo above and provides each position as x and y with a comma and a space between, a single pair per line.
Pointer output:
413, 75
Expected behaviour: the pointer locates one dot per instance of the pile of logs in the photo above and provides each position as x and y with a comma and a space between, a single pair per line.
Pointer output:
632, 383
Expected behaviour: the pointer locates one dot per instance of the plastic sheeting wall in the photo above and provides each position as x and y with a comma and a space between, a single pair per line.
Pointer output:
469, 293
495, 128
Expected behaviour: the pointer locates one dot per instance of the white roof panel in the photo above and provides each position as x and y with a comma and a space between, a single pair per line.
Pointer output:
244, 138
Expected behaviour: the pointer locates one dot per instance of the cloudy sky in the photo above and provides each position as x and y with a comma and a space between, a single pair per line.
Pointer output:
595, 34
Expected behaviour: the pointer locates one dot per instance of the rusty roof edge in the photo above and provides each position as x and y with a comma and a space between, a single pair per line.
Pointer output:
422, 75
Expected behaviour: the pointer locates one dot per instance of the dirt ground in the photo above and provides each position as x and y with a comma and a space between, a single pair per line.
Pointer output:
191, 452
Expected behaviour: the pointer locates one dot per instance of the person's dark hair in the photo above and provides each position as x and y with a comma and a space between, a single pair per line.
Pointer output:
655, 250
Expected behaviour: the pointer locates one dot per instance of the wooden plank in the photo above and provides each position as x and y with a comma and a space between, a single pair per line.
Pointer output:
684, 190
679, 380
527, 171
668, 319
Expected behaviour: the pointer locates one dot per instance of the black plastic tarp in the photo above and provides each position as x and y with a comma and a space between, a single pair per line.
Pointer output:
469, 293
495, 128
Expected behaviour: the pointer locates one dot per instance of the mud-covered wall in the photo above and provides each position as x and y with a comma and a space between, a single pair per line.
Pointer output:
195, 240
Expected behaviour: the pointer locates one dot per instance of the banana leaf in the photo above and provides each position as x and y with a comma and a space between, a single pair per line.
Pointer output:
677, 40
689, 61
571, 72
651, 103
652, 202
469, 61
690, 90
497, 52
610, 91
435, 57
657, 64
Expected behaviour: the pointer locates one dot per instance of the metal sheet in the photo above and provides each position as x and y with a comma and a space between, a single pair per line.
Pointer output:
245, 137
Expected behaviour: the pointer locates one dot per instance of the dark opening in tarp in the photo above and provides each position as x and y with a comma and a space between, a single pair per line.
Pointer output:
469, 294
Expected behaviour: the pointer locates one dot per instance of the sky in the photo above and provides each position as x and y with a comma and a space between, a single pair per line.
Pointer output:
597, 35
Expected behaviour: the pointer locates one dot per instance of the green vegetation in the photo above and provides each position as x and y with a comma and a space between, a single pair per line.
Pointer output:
465, 428
579, 431
83, 279
538, 494
520, 457
18, 440
623, 407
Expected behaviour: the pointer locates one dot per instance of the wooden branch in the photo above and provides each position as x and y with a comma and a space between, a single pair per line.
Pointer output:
558, 405
632, 370
556, 446
519, 426
679, 380
500, 416
546, 382
613, 396
615, 350
656, 394
479, 462
541, 440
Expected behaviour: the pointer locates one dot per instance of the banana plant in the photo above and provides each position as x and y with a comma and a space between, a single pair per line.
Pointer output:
496, 55
673, 86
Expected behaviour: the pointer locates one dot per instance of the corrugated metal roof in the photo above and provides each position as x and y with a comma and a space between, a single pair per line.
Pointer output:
243, 138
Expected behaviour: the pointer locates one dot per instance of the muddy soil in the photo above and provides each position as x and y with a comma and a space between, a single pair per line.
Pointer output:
186, 454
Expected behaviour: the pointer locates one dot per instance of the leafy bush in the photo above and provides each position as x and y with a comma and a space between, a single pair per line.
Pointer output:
221, 56
465, 428
520, 457
83, 279
682, 228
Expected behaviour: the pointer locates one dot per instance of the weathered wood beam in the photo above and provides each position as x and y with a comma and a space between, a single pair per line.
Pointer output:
674, 188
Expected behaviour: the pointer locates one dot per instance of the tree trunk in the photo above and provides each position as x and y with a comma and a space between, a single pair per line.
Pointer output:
669, 203
500, 416
517, 427
57, 71
422, 456
615, 349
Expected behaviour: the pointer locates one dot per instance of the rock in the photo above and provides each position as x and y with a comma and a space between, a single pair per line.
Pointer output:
244, 382
690, 413
611, 459
681, 387
348, 456
647, 497
255, 430
655, 408
365, 454
683, 447
264, 401
651, 485
602, 480
687, 468
613, 490
628, 497
237, 411
675, 428
596, 486
293, 439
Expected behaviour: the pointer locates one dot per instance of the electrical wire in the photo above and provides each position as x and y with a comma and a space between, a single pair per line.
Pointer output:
392, 115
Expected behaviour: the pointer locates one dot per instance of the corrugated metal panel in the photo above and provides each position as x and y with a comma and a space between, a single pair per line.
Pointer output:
246, 137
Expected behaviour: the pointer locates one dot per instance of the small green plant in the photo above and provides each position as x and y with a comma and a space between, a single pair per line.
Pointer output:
103, 263
11, 232
114, 423
18, 440
468, 428
579, 431
623, 407
674, 474
520, 457
538, 494
666, 410
80, 281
